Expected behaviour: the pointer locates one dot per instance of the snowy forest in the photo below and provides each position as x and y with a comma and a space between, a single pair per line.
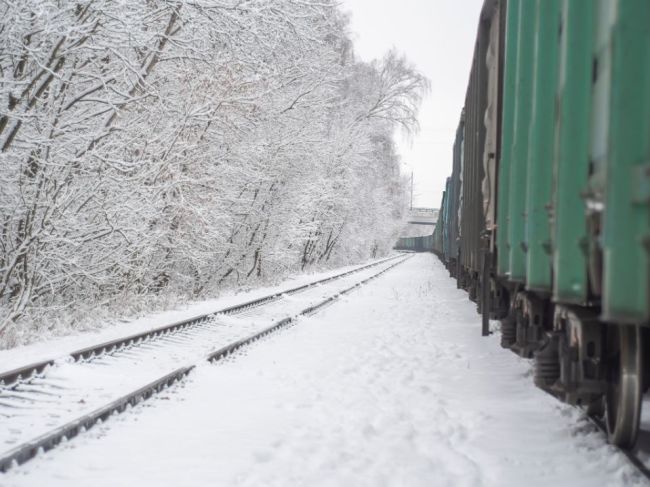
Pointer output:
157, 151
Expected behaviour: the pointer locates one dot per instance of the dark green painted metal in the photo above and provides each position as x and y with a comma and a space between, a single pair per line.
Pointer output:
541, 147
519, 161
507, 125
446, 210
604, 16
416, 244
571, 165
453, 196
626, 222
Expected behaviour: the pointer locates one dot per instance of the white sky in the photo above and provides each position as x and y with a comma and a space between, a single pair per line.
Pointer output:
438, 37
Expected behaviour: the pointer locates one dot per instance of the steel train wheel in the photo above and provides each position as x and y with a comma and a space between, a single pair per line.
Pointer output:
625, 387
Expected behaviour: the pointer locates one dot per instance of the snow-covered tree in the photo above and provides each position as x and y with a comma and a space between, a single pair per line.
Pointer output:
174, 148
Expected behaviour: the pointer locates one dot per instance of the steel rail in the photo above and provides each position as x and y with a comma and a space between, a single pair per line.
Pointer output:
47, 441
19, 375
234, 346
637, 462
632, 455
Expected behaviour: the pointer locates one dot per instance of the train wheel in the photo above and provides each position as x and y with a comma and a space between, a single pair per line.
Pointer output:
625, 388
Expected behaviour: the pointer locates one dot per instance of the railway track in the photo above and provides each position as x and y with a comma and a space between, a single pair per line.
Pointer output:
639, 456
43, 405
28, 372
635, 458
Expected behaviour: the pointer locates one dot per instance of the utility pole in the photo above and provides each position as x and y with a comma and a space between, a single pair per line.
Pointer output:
411, 190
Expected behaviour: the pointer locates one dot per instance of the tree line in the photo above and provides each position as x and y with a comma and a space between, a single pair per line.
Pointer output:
175, 148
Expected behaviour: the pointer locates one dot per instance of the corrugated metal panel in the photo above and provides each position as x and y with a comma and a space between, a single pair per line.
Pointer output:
472, 213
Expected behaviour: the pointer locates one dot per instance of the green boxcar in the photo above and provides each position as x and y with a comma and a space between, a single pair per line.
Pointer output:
520, 142
626, 219
438, 230
541, 147
445, 214
415, 244
451, 221
508, 120
571, 164
571, 278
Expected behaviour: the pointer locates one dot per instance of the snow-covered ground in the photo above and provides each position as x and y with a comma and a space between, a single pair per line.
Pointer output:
392, 386
106, 331
71, 389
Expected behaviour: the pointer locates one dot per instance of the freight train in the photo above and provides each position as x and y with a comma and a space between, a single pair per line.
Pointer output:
545, 219
415, 244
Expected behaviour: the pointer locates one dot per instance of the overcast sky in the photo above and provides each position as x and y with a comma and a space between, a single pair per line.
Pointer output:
438, 37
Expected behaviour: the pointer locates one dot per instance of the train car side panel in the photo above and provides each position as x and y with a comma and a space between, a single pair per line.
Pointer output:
626, 225
508, 117
519, 166
571, 165
541, 145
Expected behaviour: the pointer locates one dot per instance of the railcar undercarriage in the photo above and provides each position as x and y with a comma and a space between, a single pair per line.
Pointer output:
601, 367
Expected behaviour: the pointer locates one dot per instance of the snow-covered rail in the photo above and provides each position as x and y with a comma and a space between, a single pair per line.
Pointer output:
28, 450
233, 347
40, 425
28, 372
638, 456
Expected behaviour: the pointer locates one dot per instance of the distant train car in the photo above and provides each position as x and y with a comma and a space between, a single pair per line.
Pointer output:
439, 229
415, 244
548, 204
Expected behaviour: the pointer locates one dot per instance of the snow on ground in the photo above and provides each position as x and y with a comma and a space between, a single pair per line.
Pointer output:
394, 386
63, 346
71, 389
